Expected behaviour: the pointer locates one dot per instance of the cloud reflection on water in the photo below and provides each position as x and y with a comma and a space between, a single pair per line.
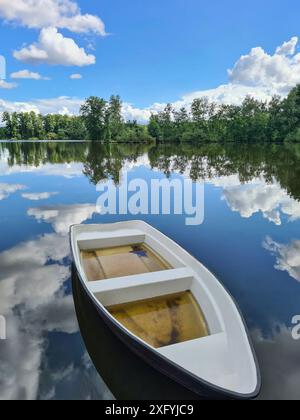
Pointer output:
63, 216
260, 197
287, 256
279, 357
7, 189
33, 298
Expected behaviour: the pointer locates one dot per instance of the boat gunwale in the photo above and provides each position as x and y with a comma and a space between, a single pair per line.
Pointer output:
140, 347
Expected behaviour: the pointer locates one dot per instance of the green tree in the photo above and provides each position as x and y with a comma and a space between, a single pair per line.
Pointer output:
200, 110
3, 135
6, 119
167, 124
290, 118
50, 123
94, 115
39, 131
154, 128
114, 119
15, 129
76, 129
182, 123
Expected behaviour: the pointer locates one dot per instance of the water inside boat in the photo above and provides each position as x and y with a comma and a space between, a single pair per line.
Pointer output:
163, 321
109, 263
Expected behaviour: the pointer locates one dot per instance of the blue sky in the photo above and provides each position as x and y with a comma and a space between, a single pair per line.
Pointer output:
154, 52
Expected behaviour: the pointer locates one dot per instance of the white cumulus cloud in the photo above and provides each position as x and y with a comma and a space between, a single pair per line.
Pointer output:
55, 49
7, 85
17, 106
76, 76
279, 72
288, 48
26, 74
257, 74
62, 105
231, 94
63, 14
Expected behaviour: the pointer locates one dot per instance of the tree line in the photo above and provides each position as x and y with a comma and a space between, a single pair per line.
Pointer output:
99, 120
204, 121
253, 120
32, 126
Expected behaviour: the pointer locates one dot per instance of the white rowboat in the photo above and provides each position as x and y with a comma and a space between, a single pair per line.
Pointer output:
167, 307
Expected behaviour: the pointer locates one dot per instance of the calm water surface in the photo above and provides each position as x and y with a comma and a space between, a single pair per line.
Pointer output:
250, 238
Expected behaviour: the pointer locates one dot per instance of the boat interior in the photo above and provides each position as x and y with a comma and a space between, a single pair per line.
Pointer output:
157, 296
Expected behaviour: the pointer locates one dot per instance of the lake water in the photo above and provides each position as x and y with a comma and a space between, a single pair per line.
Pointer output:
250, 239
